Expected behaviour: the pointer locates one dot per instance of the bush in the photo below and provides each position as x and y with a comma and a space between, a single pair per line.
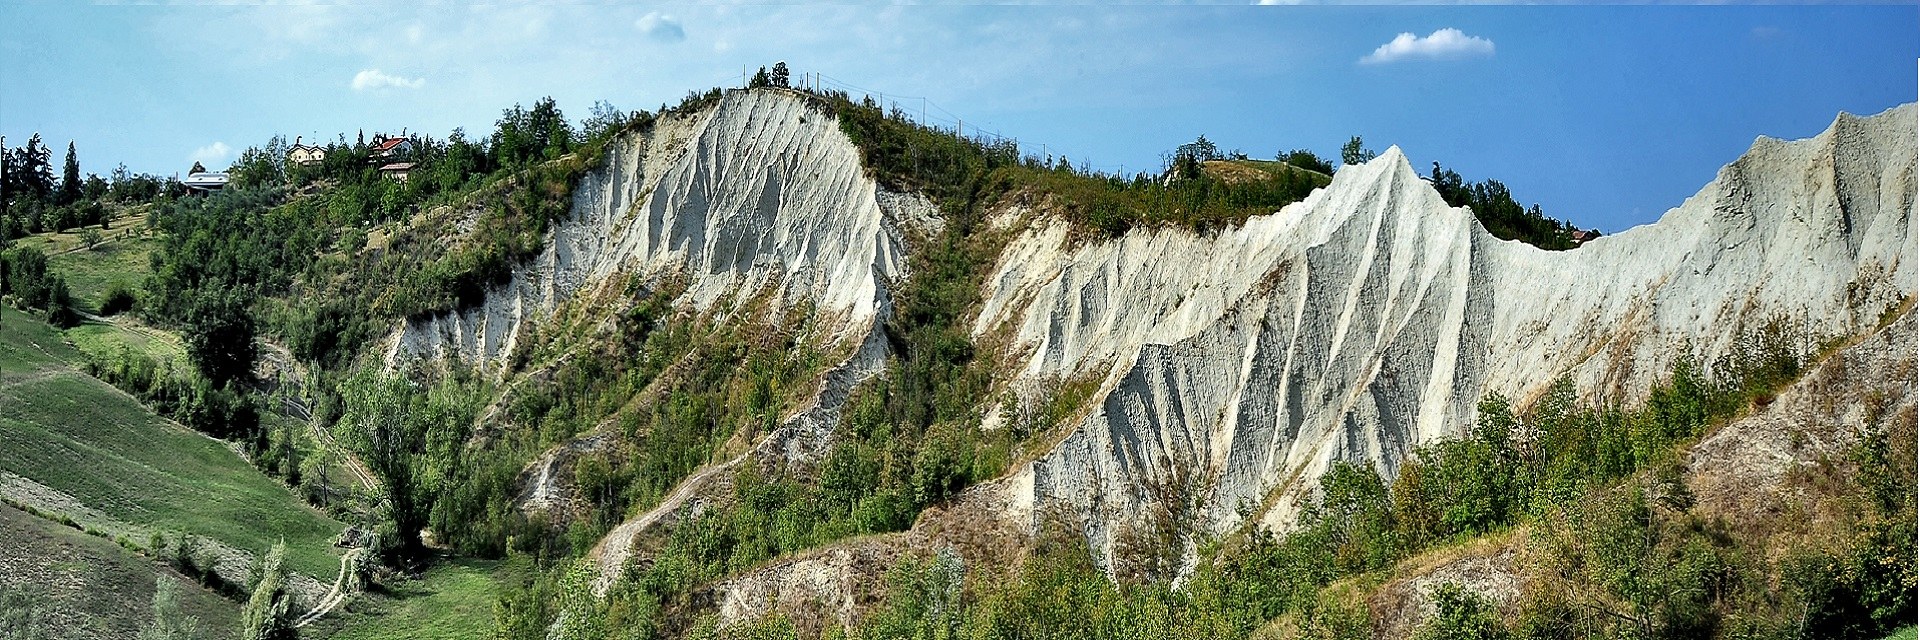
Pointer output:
118, 299
1460, 614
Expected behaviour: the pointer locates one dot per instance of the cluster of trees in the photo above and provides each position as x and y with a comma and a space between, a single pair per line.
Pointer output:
1599, 487
1503, 217
779, 77
34, 200
961, 171
24, 280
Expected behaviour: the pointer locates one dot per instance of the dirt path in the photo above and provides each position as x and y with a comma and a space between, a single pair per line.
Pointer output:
614, 549
297, 408
346, 584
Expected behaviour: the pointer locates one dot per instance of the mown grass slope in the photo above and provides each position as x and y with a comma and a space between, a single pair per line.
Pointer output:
88, 587
81, 437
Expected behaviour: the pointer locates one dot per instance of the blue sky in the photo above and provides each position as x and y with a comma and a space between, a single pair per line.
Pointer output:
1605, 115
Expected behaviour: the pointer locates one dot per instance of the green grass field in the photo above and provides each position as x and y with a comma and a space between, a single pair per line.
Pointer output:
104, 341
89, 272
77, 435
92, 588
453, 600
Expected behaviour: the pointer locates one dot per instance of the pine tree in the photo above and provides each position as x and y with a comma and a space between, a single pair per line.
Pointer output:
36, 172
69, 179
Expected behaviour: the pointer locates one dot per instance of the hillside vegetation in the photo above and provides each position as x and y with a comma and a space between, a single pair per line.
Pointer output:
100, 458
639, 393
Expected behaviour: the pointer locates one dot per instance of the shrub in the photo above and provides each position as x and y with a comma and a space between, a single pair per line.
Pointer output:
118, 299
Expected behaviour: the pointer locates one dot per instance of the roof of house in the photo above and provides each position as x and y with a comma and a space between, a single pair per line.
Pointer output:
388, 144
397, 166
206, 179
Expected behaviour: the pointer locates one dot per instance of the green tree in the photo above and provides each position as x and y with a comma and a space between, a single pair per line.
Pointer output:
268, 614
219, 335
69, 179
1353, 153
169, 622
1460, 614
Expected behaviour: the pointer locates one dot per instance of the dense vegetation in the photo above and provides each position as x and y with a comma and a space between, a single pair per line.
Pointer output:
25, 281
326, 255
1597, 487
952, 168
33, 200
1503, 217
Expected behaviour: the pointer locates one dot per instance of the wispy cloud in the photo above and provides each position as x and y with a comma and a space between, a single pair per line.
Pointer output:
660, 26
212, 155
372, 79
1445, 43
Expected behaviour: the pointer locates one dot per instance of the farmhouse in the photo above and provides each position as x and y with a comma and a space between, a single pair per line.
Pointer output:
387, 148
397, 170
305, 154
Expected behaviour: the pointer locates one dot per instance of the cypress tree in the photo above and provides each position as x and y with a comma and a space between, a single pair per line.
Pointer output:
69, 179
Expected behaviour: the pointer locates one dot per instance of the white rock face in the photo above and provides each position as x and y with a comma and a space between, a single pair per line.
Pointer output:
1371, 317
757, 192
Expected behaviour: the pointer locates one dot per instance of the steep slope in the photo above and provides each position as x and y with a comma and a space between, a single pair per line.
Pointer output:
757, 193
759, 198
1371, 317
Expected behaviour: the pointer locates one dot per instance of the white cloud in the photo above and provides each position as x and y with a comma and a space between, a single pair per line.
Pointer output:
212, 155
371, 79
1445, 43
660, 26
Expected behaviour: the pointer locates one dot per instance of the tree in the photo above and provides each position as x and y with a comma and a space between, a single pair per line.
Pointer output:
779, 75
1352, 153
1460, 614
29, 172
604, 119
260, 166
197, 168
69, 179
1306, 159
95, 188
760, 79
6, 193
169, 622
1201, 149
219, 335
524, 135
268, 614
